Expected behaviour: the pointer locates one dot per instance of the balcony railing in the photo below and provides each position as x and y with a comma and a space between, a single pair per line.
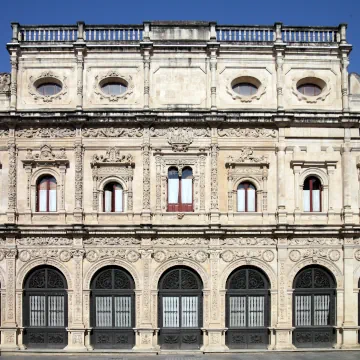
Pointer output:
178, 31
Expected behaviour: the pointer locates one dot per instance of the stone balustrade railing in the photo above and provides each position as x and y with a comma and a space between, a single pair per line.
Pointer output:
179, 31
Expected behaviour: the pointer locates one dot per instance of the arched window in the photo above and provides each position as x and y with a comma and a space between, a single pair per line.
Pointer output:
312, 194
248, 309
180, 190
314, 308
246, 197
46, 194
45, 308
112, 309
113, 198
180, 309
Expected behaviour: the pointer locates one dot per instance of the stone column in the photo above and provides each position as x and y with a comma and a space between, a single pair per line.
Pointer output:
146, 51
283, 329
14, 72
145, 339
281, 184
214, 200
12, 181
215, 331
345, 49
79, 53
279, 48
213, 49
146, 152
9, 331
347, 194
78, 211
76, 328
350, 298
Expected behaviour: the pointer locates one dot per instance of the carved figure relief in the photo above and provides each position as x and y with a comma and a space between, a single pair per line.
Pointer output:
5, 81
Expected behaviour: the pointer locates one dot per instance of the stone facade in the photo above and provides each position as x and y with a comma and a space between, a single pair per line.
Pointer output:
179, 110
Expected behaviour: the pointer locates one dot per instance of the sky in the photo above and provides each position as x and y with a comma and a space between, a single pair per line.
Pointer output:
224, 12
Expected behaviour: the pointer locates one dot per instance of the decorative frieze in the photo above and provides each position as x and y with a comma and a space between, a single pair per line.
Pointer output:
94, 255
314, 254
247, 255
181, 241
44, 254
44, 241
248, 241
311, 241
196, 255
247, 133
45, 132
112, 132
110, 240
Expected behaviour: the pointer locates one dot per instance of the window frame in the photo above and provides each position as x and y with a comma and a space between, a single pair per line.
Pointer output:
308, 178
179, 206
113, 200
39, 180
246, 197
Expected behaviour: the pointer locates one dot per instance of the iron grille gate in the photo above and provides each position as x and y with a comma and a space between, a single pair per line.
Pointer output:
45, 309
314, 305
112, 309
248, 305
180, 310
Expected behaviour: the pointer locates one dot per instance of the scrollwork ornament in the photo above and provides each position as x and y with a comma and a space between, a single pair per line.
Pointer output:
43, 77
2, 254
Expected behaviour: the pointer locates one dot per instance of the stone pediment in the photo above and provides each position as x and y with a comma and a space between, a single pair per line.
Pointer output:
247, 157
46, 157
113, 157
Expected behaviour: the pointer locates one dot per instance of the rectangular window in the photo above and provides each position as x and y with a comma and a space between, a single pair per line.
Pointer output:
123, 311
37, 310
321, 310
104, 311
303, 310
108, 201
251, 193
186, 191
306, 199
170, 312
316, 200
56, 310
256, 311
237, 311
52, 200
118, 200
189, 310
42, 200
173, 191
241, 200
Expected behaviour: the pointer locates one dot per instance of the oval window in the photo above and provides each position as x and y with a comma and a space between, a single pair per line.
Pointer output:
309, 89
49, 89
114, 88
245, 89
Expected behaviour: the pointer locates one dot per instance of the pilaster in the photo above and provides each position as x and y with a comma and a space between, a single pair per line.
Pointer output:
12, 181
9, 331
146, 152
79, 152
214, 204
347, 194
279, 50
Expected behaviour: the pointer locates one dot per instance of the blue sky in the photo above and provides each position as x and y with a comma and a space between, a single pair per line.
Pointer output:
263, 12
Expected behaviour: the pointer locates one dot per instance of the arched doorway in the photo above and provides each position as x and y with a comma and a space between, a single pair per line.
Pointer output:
112, 309
45, 308
314, 308
247, 309
180, 309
